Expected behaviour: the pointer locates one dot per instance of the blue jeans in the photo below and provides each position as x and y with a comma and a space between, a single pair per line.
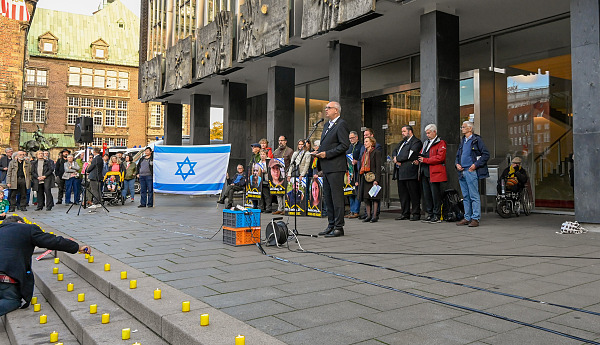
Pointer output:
72, 186
469, 185
129, 185
354, 203
147, 190
10, 298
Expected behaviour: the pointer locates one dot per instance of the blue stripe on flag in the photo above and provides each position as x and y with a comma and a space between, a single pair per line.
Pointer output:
193, 149
175, 187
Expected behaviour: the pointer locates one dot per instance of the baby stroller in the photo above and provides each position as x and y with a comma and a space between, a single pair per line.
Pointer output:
111, 191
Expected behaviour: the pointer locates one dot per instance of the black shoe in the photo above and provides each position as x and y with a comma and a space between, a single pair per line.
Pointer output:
123, 201
268, 211
37, 209
366, 220
415, 218
326, 231
336, 233
141, 206
11, 210
374, 219
220, 201
362, 216
428, 219
229, 206
23, 209
59, 202
435, 220
402, 218
48, 208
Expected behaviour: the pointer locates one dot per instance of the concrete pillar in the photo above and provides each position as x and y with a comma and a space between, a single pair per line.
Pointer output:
235, 129
200, 119
440, 82
173, 113
585, 57
280, 104
376, 112
344, 82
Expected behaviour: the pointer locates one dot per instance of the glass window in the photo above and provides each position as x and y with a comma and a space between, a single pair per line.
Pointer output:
121, 142
123, 84
72, 115
155, 115
110, 141
99, 81
98, 103
109, 118
100, 53
99, 72
74, 79
318, 94
122, 104
97, 141
121, 118
475, 55
48, 47
111, 73
86, 80
73, 101
30, 76
86, 70
383, 76
86, 112
27, 111
111, 83
98, 118
42, 78
86, 102
111, 103
40, 111
74, 69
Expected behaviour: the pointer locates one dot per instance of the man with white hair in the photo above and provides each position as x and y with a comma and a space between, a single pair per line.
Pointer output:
432, 173
471, 163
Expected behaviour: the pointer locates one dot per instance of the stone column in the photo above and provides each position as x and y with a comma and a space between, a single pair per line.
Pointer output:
440, 82
200, 119
344, 82
235, 129
280, 104
585, 62
173, 113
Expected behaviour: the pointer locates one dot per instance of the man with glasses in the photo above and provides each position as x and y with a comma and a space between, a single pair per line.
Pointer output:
471, 163
332, 160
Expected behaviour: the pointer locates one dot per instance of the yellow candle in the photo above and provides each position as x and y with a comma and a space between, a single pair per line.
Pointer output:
54, 270
124, 275
204, 320
59, 343
70, 287
54, 337
105, 318
43, 318
125, 333
33, 300
240, 340
132, 284
157, 294
91, 259
37, 307
93, 309
185, 306
87, 256
107, 267
51, 233
81, 297
56, 260
60, 277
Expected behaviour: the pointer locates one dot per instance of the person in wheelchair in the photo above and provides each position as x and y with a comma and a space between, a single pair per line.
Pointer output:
514, 178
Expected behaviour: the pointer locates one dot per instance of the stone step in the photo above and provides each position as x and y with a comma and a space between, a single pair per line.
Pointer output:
23, 325
88, 328
3, 335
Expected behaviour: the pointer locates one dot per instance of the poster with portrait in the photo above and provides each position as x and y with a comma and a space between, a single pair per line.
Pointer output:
349, 176
315, 200
277, 178
295, 197
254, 184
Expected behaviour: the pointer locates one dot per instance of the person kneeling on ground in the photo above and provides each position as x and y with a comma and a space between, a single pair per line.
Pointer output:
233, 185
16, 248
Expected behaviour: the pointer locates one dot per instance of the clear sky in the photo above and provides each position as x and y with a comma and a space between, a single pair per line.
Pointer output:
84, 6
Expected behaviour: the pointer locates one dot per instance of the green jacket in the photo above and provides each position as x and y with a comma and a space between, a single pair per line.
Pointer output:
131, 171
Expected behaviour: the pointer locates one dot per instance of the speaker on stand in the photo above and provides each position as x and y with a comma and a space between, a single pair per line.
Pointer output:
84, 130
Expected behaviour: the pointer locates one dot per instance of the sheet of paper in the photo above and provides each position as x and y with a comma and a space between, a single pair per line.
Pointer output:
374, 190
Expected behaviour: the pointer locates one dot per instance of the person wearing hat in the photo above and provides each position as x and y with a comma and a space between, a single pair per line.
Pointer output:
255, 158
59, 171
515, 177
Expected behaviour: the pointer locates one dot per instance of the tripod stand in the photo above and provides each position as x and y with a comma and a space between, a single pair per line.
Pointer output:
86, 188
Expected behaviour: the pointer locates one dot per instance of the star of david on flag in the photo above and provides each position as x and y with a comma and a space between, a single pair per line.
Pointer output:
191, 170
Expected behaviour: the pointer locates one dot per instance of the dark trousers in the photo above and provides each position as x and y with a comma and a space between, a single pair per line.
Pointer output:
266, 204
432, 196
61, 188
22, 191
409, 192
93, 194
228, 193
44, 195
147, 192
333, 193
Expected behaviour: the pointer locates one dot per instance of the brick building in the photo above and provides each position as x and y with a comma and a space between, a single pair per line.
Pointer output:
91, 71
12, 60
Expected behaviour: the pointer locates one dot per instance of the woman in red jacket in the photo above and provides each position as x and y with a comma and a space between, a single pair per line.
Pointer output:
432, 172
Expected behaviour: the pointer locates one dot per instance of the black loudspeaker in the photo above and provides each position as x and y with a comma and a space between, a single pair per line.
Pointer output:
84, 129
276, 233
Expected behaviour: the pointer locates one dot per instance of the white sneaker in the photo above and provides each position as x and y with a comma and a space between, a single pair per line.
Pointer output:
94, 206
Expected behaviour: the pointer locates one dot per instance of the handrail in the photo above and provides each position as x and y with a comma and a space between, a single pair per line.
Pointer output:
553, 144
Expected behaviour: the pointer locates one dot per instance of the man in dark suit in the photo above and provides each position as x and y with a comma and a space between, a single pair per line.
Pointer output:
332, 161
42, 178
16, 248
95, 171
406, 172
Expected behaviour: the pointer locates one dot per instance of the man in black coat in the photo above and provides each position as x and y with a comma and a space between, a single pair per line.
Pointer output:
95, 176
59, 170
4, 162
332, 161
406, 172
16, 248
42, 179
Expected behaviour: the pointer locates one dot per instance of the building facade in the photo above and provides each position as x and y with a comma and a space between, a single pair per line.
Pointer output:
523, 73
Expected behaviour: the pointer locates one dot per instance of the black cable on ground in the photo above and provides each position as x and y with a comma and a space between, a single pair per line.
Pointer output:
468, 254
435, 300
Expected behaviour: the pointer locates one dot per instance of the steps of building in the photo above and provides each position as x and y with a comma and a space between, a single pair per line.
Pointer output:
3, 335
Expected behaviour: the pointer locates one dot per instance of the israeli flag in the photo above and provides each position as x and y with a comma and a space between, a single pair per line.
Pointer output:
191, 170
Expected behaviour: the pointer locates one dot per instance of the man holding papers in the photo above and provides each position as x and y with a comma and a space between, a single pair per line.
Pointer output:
370, 176
406, 172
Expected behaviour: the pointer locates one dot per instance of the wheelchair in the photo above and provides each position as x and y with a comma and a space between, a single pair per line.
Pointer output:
511, 202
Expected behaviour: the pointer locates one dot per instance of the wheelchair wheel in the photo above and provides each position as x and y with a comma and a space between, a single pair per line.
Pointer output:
503, 209
526, 202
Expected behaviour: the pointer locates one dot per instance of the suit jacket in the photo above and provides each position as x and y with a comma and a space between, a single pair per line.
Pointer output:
4, 162
16, 248
405, 156
13, 170
95, 169
335, 143
47, 170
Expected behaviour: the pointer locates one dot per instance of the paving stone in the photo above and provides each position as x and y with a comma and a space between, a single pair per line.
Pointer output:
256, 310
244, 297
316, 316
443, 332
414, 316
273, 326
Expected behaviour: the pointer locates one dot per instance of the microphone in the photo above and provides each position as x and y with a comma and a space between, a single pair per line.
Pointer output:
318, 122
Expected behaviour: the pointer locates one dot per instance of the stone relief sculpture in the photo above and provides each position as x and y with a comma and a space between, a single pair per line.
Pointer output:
179, 71
264, 27
151, 74
320, 16
214, 45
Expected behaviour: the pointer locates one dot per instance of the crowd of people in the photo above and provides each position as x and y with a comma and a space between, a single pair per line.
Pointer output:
21, 174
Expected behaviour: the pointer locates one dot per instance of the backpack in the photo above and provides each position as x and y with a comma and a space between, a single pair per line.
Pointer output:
452, 206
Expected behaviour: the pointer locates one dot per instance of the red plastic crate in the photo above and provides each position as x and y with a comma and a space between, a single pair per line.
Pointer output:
241, 236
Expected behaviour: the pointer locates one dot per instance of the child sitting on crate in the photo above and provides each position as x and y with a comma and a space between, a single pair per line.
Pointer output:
111, 184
